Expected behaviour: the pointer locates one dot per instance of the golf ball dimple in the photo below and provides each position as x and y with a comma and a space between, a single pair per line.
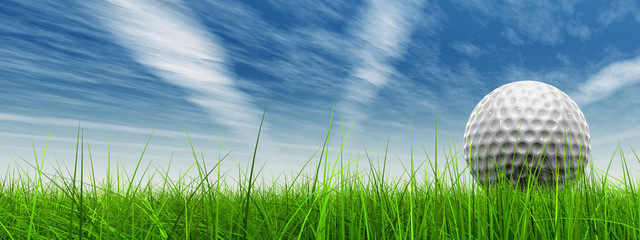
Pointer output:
526, 131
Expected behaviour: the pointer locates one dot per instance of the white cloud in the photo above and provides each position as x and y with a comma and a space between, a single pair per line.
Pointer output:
73, 123
383, 30
580, 31
93, 142
619, 10
608, 80
513, 37
545, 21
468, 49
564, 59
176, 48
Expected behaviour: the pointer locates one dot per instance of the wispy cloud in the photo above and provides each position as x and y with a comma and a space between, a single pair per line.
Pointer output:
545, 21
618, 10
161, 36
93, 142
467, 49
608, 80
73, 123
382, 29
564, 59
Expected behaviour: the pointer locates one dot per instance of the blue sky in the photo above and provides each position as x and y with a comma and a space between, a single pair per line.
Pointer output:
126, 67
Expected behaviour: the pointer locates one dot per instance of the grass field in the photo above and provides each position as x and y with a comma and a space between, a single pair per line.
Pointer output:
327, 199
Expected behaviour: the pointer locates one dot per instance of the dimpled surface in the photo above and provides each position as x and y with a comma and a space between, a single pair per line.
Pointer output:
522, 126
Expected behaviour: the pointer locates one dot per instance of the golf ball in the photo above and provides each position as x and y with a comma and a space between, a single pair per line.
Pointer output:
526, 131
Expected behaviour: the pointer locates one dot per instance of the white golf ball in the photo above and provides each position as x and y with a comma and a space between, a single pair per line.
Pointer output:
526, 131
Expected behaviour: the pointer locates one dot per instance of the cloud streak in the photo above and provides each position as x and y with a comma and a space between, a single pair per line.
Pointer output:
608, 80
542, 21
467, 49
383, 29
161, 36
65, 122
618, 10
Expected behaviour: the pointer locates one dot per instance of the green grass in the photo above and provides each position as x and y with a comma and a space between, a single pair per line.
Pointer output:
329, 198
